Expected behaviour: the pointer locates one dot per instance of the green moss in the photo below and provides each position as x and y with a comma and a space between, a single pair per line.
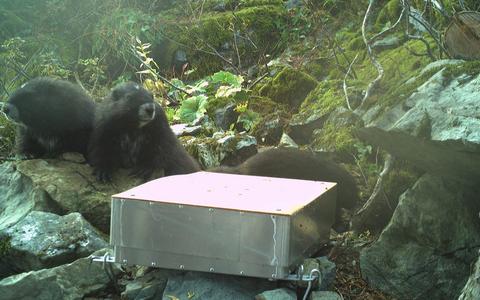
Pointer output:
356, 43
400, 178
469, 68
213, 31
389, 13
335, 138
324, 98
264, 105
289, 87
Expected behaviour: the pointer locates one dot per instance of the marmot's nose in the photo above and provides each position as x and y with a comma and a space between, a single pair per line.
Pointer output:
150, 109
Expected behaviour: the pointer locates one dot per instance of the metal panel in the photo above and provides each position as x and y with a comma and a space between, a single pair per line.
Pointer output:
199, 238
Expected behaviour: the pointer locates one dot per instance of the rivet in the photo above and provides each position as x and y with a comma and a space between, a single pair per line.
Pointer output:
181, 267
212, 269
132, 195
180, 206
242, 273
274, 275
210, 209
124, 261
154, 264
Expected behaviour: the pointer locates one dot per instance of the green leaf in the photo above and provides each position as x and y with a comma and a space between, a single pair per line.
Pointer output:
192, 108
226, 91
227, 78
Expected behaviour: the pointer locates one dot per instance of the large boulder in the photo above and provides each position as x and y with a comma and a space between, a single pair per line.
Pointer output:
44, 240
67, 282
59, 186
427, 249
471, 290
439, 120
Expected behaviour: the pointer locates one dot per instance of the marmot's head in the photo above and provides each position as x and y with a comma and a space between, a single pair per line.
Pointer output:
135, 103
20, 107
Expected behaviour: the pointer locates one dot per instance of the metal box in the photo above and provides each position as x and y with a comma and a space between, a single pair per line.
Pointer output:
222, 223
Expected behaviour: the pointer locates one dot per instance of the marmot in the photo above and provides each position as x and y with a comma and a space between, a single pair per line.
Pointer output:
298, 164
52, 116
131, 131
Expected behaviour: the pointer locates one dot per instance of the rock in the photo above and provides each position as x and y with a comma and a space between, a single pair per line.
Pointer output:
270, 129
147, 286
328, 269
389, 42
70, 281
185, 129
287, 142
208, 286
44, 240
325, 295
226, 116
471, 290
278, 294
18, 195
426, 250
290, 87
243, 147
303, 124
440, 119
60, 187
222, 148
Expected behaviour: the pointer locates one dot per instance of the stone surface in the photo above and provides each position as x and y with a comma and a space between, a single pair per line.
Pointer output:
206, 286
427, 249
66, 282
18, 195
441, 119
147, 286
44, 240
278, 294
63, 186
325, 295
222, 148
471, 290
328, 269
226, 116
287, 142
302, 125
185, 129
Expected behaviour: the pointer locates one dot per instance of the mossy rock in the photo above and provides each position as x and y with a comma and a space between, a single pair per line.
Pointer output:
209, 41
389, 13
289, 87
264, 105
326, 97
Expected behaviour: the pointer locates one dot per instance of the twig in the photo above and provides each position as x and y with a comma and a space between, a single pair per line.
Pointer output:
235, 41
160, 76
257, 80
390, 29
372, 57
345, 82
389, 160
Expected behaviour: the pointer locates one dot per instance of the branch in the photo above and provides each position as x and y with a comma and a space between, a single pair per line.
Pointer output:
345, 82
389, 160
160, 76
372, 57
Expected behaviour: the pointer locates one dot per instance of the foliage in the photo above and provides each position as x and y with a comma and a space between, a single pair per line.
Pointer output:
192, 108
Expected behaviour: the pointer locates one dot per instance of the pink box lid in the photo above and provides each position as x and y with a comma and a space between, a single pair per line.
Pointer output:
269, 195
